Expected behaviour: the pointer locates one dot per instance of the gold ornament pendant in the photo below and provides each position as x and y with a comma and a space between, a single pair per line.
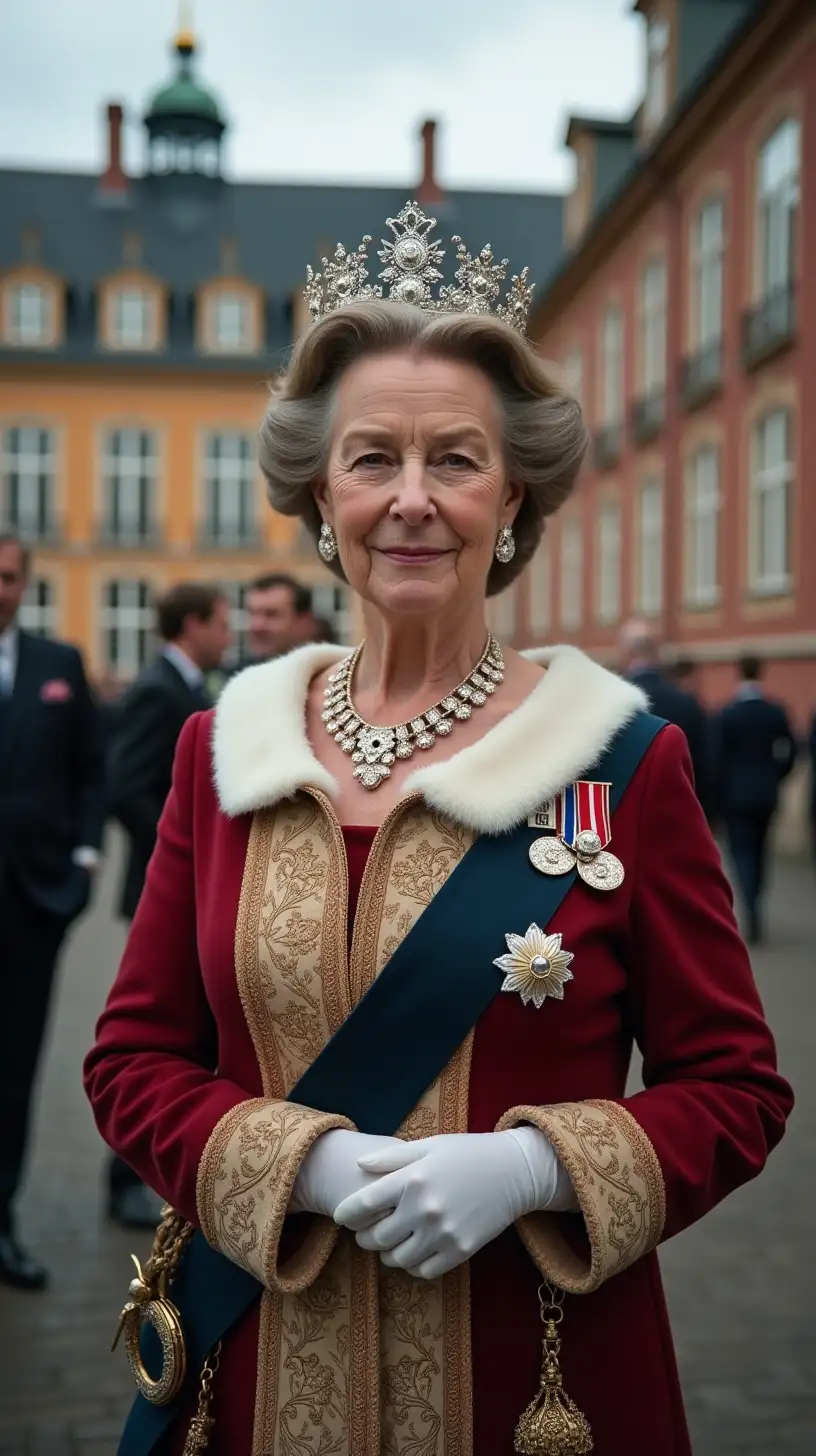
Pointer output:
552, 1424
149, 1304
198, 1436
203, 1423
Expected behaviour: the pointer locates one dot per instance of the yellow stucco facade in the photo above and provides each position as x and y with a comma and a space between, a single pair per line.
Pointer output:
80, 408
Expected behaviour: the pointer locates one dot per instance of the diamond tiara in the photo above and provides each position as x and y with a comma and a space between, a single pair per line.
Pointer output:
411, 257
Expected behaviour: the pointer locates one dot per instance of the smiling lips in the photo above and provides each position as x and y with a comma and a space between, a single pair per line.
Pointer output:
412, 555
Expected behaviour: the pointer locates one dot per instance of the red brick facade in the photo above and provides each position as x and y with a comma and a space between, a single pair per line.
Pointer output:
720, 432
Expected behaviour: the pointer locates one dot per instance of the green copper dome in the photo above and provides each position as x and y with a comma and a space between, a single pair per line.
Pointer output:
184, 101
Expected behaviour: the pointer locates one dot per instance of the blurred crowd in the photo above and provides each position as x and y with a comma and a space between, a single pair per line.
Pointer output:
74, 755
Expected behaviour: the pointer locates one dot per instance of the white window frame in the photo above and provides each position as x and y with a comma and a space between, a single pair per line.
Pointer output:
707, 272
777, 200
653, 326
230, 515
127, 625
656, 100
129, 486
571, 594
132, 318
703, 502
771, 503
540, 597
28, 481
229, 323
650, 547
609, 543
236, 593
38, 609
30, 314
612, 365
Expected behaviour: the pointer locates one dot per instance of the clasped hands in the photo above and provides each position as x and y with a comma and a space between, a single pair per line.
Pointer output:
428, 1206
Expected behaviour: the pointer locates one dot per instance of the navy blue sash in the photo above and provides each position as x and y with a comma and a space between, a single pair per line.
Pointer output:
397, 1039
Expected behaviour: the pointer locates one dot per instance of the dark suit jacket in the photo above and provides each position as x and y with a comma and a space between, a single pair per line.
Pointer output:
52, 788
812, 747
681, 708
755, 749
140, 762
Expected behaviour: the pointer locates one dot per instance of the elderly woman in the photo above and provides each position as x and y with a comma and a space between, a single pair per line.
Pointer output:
391, 1181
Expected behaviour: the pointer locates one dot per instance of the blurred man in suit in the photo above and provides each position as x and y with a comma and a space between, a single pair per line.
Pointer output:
812, 752
684, 673
754, 751
52, 810
279, 616
193, 623
640, 663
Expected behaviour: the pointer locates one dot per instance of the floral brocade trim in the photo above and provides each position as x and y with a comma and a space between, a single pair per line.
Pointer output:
618, 1182
345, 1362
245, 1181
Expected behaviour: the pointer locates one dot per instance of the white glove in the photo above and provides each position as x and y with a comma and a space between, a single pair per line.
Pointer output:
441, 1199
331, 1170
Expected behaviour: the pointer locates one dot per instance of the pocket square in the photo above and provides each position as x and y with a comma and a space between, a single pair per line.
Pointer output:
57, 690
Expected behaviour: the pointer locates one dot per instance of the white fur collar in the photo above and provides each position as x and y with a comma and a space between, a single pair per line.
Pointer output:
261, 753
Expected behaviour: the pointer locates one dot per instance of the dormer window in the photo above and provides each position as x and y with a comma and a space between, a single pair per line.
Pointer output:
656, 104
132, 318
230, 323
30, 314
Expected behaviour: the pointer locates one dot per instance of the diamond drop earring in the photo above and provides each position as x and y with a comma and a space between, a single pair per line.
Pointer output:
505, 545
327, 543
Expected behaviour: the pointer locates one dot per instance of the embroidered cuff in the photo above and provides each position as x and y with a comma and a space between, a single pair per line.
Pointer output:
245, 1181
619, 1185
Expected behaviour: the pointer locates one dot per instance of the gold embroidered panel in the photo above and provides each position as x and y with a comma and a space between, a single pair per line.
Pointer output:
366, 1358
618, 1180
290, 939
414, 858
245, 1182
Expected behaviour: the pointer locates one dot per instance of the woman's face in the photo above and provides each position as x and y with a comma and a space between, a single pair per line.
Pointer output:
416, 487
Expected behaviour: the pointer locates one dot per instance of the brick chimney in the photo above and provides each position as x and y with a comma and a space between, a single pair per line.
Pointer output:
429, 190
113, 183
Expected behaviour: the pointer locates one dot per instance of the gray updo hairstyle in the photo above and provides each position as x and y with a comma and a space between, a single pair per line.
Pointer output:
544, 433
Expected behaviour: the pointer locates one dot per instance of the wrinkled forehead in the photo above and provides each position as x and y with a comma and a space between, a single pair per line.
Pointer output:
404, 391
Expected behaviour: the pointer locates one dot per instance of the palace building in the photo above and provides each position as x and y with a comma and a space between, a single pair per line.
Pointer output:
141, 318
684, 312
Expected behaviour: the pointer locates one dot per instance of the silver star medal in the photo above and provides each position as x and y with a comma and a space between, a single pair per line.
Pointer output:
535, 967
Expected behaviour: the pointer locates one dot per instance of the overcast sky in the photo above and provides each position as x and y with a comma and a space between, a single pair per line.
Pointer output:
327, 89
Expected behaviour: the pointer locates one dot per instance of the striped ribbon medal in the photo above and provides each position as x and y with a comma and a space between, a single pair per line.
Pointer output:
580, 817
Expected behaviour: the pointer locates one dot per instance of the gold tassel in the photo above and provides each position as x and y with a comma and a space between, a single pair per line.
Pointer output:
552, 1424
203, 1424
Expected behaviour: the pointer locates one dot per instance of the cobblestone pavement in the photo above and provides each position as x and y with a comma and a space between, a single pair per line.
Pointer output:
740, 1284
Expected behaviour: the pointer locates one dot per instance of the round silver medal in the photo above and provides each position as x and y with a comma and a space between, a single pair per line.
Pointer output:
604, 872
588, 844
551, 856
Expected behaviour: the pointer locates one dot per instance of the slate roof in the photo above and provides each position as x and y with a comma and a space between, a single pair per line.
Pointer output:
276, 228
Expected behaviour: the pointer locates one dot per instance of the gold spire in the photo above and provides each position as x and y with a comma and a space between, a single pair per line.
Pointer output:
185, 36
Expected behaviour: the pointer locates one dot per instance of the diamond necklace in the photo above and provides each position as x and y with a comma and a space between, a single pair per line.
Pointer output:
374, 749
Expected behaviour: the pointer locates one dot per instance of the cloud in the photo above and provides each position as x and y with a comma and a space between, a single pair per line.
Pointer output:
328, 91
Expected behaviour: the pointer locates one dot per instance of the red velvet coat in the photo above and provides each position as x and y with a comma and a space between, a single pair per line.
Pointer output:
211, 1019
